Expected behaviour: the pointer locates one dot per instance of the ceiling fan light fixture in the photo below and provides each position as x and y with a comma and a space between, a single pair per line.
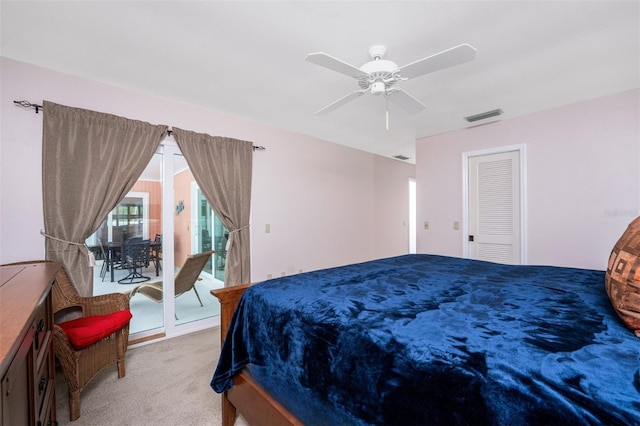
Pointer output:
484, 115
378, 88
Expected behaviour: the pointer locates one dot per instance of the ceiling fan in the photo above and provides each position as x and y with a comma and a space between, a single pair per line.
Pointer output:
379, 76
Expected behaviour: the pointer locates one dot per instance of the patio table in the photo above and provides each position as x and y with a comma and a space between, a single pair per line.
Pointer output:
113, 247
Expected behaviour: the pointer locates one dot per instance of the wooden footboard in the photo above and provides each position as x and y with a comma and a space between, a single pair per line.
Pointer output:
246, 396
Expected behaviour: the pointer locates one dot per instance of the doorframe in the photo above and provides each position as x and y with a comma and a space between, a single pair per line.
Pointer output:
169, 329
522, 149
412, 215
195, 222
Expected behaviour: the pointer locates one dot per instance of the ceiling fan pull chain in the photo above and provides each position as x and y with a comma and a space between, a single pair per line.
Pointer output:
386, 99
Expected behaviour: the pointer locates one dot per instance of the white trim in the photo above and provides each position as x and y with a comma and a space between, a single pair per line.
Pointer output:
195, 210
522, 149
168, 229
196, 233
208, 323
412, 215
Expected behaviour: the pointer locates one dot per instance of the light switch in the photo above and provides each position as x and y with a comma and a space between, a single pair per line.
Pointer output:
456, 226
426, 225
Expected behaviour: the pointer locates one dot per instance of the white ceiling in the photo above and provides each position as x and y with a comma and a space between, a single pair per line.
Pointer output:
248, 58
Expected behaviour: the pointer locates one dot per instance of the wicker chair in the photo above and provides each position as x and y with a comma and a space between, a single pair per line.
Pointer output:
81, 366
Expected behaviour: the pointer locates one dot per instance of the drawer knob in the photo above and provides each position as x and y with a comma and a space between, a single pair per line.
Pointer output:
42, 384
39, 329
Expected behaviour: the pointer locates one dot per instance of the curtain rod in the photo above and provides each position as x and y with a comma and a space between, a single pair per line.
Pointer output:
27, 104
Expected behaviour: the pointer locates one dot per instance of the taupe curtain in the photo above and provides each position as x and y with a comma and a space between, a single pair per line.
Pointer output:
222, 168
90, 160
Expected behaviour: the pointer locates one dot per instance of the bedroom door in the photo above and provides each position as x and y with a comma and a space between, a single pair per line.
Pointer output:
494, 207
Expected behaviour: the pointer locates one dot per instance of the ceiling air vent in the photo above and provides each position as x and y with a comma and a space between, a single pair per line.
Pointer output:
483, 115
400, 157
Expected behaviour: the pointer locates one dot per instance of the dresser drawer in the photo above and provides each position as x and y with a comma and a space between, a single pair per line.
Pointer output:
41, 330
47, 412
43, 381
15, 387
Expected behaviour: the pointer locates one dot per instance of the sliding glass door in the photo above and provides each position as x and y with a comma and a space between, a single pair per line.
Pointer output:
194, 233
161, 210
208, 233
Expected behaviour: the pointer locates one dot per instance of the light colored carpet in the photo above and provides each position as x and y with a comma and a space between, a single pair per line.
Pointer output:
166, 383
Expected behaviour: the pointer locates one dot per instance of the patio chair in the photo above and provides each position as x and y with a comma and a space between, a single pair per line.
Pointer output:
135, 257
105, 264
156, 252
185, 279
105, 259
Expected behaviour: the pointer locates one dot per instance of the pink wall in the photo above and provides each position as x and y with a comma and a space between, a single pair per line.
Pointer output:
182, 222
582, 176
154, 189
327, 204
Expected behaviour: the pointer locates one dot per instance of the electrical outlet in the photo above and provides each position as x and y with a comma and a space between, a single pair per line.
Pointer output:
426, 225
267, 228
456, 226
269, 276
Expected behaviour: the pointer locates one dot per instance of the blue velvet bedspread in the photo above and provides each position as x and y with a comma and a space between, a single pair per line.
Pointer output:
422, 339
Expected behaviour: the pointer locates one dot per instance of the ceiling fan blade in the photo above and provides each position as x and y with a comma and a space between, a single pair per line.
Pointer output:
405, 100
445, 59
343, 100
335, 64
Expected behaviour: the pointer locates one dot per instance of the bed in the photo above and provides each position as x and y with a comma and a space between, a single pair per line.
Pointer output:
427, 339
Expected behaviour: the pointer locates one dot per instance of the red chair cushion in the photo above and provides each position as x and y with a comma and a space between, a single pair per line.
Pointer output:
86, 331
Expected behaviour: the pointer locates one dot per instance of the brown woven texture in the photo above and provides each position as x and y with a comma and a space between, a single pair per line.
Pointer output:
81, 366
622, 279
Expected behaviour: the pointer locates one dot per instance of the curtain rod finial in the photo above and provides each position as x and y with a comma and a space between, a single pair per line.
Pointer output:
27, 104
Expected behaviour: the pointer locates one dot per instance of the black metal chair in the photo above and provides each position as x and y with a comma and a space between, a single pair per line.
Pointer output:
116, 261
135, 257
156, 252
105, 263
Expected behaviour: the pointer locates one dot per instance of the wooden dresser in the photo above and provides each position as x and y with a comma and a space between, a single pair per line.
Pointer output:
26, 344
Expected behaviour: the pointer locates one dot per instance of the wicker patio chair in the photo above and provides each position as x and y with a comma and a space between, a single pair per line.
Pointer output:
185, 279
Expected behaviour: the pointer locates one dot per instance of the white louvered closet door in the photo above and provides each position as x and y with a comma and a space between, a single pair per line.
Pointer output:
494, 207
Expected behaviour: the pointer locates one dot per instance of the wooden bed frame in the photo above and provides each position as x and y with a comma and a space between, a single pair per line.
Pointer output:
246, 396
